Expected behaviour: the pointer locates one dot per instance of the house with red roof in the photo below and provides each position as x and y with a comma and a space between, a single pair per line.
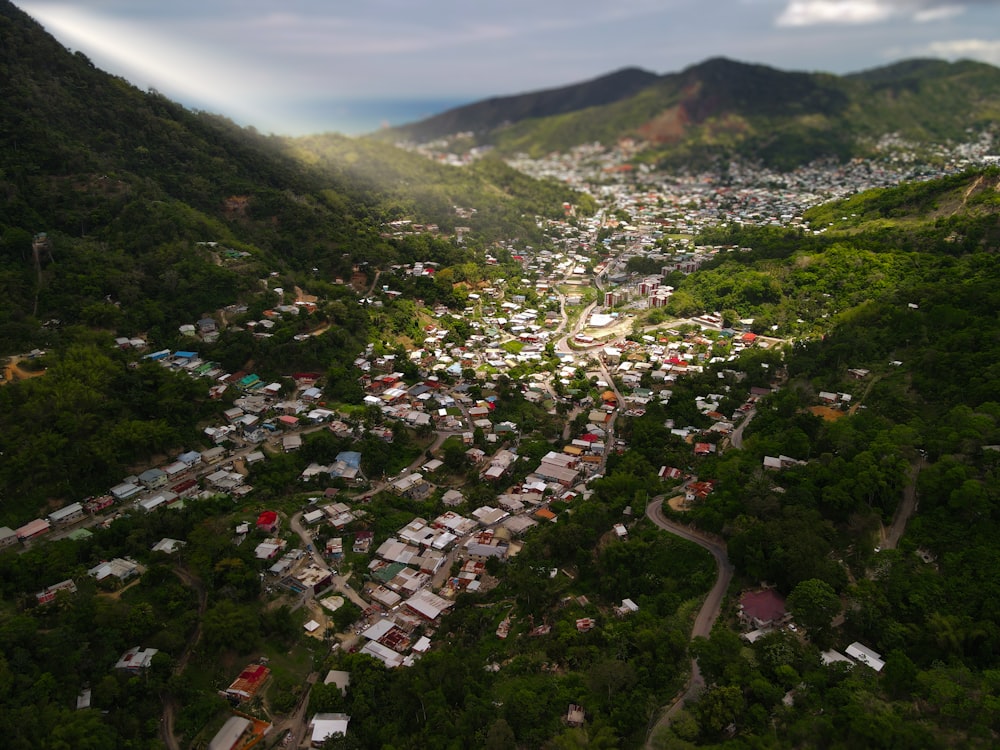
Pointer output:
762, 609
268, 521
249, 683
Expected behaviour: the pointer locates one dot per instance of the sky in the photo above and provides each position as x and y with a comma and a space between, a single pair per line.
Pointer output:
306, 66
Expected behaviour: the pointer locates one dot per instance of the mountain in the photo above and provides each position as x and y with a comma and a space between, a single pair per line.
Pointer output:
496, 112
724, 107
128, 187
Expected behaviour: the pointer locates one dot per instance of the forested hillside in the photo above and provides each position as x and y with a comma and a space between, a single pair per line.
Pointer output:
128, 186
917, 351
126, 215
864, 487
723, 109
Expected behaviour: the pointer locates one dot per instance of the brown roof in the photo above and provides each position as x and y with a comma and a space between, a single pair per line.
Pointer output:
766, 606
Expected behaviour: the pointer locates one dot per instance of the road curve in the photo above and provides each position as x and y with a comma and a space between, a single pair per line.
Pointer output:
708, 613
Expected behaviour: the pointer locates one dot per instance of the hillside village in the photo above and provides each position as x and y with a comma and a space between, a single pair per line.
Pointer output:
495, 419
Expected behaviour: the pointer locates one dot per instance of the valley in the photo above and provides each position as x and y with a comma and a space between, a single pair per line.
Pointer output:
654, 411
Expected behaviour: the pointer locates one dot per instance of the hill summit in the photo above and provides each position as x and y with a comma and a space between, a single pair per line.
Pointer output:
722, 107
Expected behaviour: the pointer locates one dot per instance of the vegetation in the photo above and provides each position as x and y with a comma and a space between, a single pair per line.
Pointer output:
155, 216
721, 108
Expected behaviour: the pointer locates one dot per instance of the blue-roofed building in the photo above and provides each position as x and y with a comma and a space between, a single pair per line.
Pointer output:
185, 355
347, 466
190, 458
351, 458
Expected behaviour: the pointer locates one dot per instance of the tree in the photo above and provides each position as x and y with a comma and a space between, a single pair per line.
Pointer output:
228, 625
719, 707
500, 736
813, 603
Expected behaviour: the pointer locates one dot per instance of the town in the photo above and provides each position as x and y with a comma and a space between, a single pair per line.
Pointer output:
483, 421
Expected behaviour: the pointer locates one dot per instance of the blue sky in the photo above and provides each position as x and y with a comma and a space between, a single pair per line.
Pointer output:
280, 65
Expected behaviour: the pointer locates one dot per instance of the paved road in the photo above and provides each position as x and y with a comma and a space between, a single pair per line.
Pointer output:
339, 581
736, 439
708, 613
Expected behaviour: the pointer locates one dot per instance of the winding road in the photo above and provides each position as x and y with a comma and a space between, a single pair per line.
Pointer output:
708, 613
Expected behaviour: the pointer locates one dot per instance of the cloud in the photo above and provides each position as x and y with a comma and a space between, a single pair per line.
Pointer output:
939, 13
984, 50
799, 13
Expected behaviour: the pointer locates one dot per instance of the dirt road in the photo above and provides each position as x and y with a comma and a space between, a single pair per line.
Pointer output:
169, 703
708, 613
12, 372
906, 507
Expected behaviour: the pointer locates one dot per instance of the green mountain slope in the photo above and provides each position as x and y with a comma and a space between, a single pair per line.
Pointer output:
484, 116
128, 186
723, 107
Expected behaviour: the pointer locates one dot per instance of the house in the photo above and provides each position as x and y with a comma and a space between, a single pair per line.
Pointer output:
347, 466
185, 489
248, 683
153, 479
865, 655
762, 609
231, 734
67, 514
313, 517
412, 486
575, 716
212, 455
269, 548
167, 545
339, 678
450, 499
627, 607
95, 505
125, 490
121, 568
136, 659
327, 725
670, 472
158, 500
363, 541
8, 537
772, 462
832, 657
268, 522
427, 605
49, 593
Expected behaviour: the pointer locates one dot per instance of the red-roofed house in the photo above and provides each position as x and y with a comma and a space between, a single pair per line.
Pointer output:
762, 609
268, 521
248, 683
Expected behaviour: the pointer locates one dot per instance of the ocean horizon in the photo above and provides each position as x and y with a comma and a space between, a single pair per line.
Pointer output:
361, 116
